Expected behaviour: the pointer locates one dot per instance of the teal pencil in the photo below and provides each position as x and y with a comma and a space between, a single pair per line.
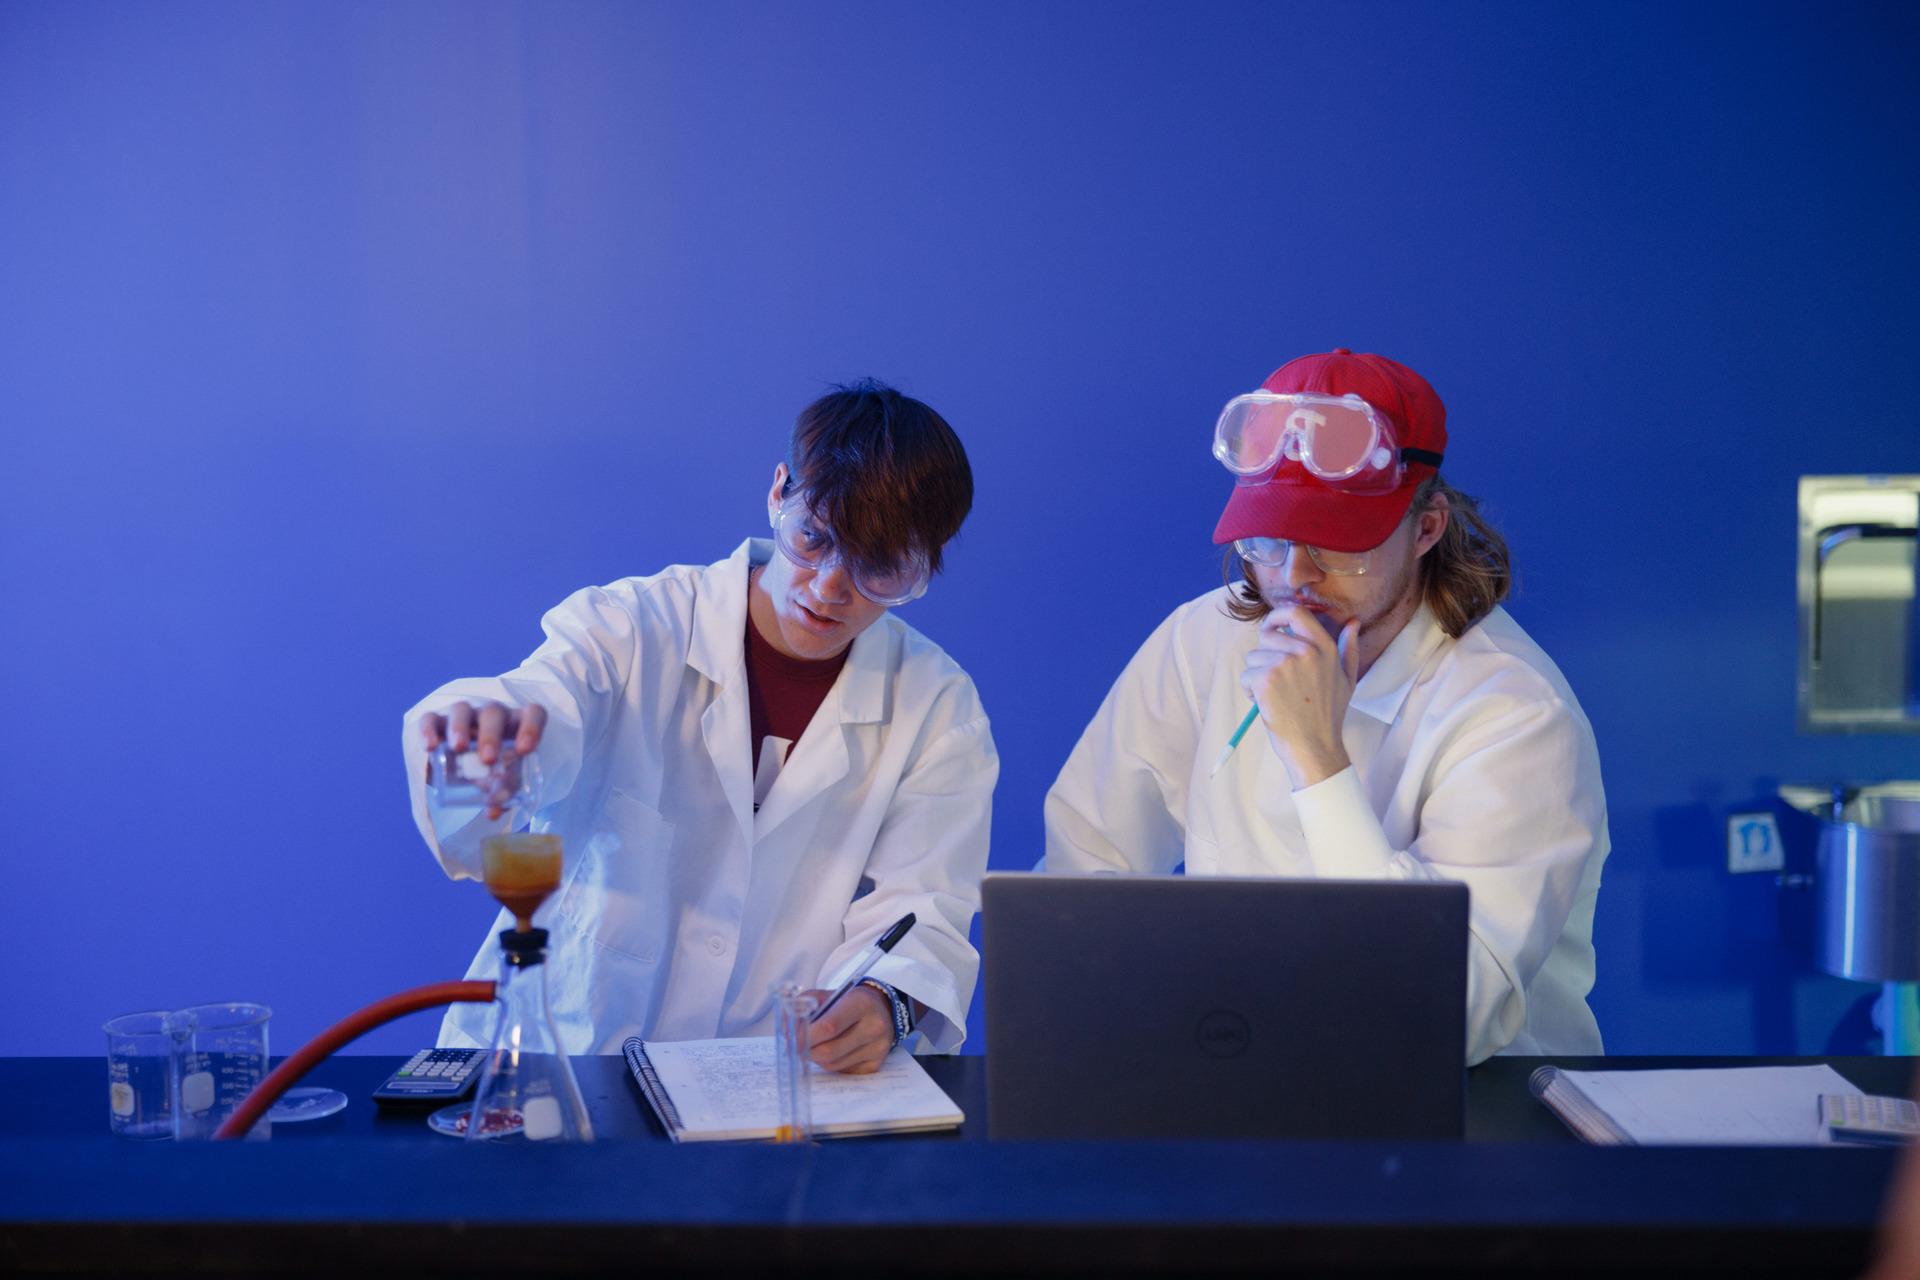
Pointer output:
1226, 752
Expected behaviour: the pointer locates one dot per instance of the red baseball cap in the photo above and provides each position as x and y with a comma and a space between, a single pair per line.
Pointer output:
1291, 502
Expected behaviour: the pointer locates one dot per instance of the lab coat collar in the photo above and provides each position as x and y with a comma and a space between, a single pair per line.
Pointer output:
866, 689
717, 650
717, 647
1385, 687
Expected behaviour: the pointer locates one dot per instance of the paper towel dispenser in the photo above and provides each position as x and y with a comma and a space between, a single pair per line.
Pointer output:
1859, 607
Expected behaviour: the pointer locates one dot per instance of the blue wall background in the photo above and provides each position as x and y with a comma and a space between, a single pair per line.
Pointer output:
338, 341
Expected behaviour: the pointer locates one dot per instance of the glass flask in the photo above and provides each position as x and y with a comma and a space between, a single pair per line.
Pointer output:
527, 1090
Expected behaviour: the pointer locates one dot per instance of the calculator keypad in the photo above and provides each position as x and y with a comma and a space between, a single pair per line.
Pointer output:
431, 1073
1871, 1118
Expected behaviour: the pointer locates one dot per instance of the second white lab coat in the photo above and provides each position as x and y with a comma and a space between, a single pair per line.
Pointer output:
682, 906
1472, 761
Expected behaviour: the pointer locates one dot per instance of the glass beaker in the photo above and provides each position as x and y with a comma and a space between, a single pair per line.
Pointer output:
792, 1065
219, 1056
139, 1058
461, 780
527, 1087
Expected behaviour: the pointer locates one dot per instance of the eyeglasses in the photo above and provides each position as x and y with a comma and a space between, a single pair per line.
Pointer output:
1272, 553
810, 544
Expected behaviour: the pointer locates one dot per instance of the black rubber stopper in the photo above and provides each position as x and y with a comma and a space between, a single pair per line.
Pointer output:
523, 947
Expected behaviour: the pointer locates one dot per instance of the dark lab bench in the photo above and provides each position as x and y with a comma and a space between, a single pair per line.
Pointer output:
366, 1188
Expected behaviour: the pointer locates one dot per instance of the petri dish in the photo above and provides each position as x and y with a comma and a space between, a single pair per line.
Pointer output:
452, 1121
307, 1103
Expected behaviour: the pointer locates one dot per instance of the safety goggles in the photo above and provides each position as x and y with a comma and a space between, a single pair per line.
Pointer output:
810, 544
1342, 441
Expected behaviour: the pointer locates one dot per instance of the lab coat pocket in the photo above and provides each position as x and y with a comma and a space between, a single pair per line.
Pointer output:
618, 896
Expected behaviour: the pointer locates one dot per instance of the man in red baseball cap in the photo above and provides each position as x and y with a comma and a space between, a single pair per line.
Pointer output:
1409, 728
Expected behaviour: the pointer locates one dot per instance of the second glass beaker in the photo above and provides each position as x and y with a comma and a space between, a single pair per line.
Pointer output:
219, 1057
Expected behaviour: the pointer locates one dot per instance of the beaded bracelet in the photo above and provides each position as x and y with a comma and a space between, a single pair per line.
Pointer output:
902, 1010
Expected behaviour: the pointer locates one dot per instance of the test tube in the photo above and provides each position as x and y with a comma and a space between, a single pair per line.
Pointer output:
791, 1064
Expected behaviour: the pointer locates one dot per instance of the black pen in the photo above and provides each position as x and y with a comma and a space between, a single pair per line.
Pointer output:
865, 961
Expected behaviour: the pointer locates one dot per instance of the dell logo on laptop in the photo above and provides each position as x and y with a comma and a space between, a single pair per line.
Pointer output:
1223, 1034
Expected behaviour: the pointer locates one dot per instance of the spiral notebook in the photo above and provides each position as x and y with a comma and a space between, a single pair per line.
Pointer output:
723, 1091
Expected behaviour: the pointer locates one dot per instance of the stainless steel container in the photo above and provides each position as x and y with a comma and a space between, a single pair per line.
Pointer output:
1868, 881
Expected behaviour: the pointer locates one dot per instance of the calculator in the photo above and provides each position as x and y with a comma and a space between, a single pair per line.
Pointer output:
1856, 1117
432, 1076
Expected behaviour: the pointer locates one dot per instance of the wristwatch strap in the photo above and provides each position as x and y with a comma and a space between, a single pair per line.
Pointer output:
902, 1007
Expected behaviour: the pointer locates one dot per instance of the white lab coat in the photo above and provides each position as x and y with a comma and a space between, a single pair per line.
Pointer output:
1472, 761
682, 908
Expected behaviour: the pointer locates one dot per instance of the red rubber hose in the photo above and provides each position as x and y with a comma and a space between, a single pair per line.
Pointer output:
289, 1072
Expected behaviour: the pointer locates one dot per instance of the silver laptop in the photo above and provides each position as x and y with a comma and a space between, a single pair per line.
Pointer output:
1129, 1006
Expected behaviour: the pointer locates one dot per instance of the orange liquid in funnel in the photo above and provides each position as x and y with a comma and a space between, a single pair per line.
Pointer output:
522, 872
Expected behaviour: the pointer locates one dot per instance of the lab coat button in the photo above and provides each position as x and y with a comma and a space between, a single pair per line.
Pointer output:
717, 945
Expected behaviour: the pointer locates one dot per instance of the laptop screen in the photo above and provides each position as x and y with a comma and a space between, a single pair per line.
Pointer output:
1213, 1007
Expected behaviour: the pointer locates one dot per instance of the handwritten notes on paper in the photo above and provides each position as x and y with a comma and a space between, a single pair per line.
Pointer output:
725, 1089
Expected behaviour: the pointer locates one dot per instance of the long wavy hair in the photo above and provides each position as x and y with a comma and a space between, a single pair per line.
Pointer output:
1462, 576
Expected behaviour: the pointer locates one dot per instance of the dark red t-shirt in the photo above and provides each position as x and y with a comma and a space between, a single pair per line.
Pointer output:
782, 692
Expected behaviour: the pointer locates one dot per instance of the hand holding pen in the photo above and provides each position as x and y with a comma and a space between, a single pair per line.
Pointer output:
855, 969
859, 1033
1300, 680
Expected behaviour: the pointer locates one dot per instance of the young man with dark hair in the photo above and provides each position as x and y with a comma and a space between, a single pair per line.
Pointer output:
1411, 729
755, 768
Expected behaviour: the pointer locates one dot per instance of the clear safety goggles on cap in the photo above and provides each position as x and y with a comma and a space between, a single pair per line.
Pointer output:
808, 542
1342, 441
